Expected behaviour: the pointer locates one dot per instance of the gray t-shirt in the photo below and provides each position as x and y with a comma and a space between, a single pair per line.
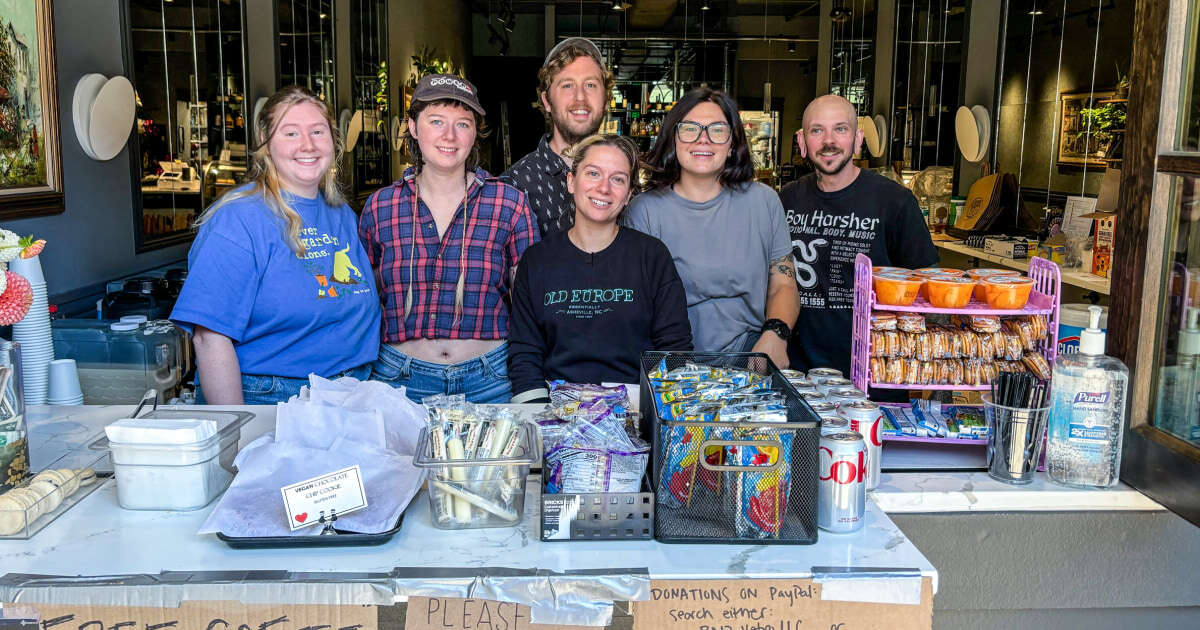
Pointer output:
721, 248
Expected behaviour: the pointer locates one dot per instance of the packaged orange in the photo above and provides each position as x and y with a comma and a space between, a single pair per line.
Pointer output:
939, 271
949, 291
875, 270
896, 289
1007, 292
979, 275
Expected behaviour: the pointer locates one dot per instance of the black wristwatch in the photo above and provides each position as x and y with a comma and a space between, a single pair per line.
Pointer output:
778, 327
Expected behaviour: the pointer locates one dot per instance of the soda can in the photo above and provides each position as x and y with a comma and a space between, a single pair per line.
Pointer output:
827, 384
845, 395
867, 418
795, 377
824, 409
807, 391
829, 426
841, 491
819, 373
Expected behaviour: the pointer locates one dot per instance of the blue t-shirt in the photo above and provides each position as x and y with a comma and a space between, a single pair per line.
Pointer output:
287, 316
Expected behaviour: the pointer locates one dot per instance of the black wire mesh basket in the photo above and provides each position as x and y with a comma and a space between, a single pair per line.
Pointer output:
718, 481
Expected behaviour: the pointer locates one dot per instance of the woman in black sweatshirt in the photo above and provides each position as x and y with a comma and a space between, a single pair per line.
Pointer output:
588, 301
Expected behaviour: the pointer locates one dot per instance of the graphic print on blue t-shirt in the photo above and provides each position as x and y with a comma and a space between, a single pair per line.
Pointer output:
330, 267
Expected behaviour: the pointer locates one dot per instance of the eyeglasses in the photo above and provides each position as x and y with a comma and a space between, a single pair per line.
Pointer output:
718, 132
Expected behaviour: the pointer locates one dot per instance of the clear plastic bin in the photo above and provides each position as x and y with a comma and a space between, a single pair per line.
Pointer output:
76, 476
171, 464
479, 492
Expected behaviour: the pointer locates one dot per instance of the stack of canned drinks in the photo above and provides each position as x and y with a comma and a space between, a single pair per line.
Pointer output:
851, 450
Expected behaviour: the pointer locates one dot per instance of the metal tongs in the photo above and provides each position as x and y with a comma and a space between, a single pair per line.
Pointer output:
150, 395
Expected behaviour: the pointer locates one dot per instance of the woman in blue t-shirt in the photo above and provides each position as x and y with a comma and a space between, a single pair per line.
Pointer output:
279, 286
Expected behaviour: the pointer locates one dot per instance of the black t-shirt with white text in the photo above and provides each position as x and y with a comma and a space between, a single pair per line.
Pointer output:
873, 216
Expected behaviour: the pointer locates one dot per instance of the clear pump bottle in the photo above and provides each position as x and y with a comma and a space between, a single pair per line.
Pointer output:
1087, 415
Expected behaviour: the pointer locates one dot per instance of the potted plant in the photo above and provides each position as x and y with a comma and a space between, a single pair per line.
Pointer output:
1122, 89
1106, 124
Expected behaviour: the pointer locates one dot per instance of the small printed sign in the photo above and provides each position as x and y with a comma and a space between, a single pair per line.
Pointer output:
309, 501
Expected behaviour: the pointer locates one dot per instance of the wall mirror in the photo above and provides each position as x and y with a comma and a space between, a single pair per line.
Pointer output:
306, 48
188, 65
370, 100
852, 54
926, 85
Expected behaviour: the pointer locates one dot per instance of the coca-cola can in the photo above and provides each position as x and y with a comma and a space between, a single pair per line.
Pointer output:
845, 395
829, 426
867, 418
824, 408
823, 372
841, 490
808, 390
829, 383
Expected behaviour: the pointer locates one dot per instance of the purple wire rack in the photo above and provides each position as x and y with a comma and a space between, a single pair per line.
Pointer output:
1045, 299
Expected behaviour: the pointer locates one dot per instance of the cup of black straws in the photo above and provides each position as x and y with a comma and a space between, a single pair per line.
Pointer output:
1016, 413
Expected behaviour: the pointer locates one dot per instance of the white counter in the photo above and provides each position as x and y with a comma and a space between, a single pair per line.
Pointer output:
162, 556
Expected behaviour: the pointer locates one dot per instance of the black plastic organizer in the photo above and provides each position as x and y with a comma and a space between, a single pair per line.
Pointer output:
599, 515
708, 504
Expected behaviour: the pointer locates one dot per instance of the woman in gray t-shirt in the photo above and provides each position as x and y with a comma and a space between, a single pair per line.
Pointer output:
727, 234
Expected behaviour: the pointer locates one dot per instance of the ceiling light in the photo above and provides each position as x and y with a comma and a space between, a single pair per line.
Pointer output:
704, 7
618, 6
324, 15
1036, 12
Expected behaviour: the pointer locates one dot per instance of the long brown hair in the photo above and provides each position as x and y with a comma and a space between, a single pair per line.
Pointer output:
263, 177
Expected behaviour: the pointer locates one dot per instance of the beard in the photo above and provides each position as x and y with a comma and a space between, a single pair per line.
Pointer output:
571, 131
837, 168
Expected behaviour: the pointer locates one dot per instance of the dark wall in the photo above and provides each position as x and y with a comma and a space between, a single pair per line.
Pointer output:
1030, 122
92, 241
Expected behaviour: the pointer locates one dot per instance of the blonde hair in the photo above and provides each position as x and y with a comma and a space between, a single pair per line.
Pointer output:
262, 175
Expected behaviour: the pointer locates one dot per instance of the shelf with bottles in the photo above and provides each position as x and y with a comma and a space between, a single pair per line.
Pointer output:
943, 351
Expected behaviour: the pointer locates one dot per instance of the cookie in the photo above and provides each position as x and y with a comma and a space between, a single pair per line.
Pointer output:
12, 516
51, 494
87, 476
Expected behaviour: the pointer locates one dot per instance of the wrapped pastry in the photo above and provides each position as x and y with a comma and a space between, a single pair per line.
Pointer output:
924, 347
895, 371
1013, 349
878, 369
893, 343
908, 345
912, 371
956, 343
1037, 365
911, 322
956, 371
970, 344
987, 351
878, 343
943, 372
939, 342
883, 321
999, 344
1041, 326
985, 323
928, 372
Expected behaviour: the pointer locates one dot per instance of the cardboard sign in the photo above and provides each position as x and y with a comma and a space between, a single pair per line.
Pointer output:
454, 613
778, 605
205, 616
338, 492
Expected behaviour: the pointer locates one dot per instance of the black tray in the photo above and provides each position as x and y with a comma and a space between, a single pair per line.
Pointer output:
342, 539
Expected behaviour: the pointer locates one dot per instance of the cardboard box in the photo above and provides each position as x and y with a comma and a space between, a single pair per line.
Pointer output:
455, 613
1007, 246
1102, 242
210, 615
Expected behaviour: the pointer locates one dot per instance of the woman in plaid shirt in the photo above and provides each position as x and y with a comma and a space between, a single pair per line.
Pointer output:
444, 241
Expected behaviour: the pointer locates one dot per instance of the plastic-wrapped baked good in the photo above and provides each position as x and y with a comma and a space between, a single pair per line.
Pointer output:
895, 370
943, 372
911, 322
1037, 365
912, 371
970, 344
928, 372
956, 371
924, 346
1013, 348
999, 344
956, 343
987, 351
883, 321
938, 342
1041, 326
908, 345
878, 343
878, 369
985, 323
893, 343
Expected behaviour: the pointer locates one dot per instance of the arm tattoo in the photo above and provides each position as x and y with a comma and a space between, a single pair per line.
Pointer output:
785, 265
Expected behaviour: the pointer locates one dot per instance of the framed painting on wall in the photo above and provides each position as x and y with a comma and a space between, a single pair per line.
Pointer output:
1078, 143
30, 160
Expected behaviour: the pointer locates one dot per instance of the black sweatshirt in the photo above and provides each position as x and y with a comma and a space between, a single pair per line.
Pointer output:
587, 318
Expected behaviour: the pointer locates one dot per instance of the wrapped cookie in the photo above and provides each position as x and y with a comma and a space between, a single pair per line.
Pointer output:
970, 344
911, 322
928, 373
908, 345
912, 371
883, 321
893, 343
878, 367
1037, 365
924, 347
957, 344
999, 345
878, 343
895, 371
985, 323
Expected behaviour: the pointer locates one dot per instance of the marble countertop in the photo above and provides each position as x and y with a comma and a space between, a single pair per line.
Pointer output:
958, 491
97, 538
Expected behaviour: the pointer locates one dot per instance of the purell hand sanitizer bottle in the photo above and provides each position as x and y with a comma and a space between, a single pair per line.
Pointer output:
1087, 415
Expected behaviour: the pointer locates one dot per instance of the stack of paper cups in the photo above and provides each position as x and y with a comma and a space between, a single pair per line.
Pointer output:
33, 333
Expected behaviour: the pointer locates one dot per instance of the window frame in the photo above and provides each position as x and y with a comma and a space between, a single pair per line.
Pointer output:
1154, 461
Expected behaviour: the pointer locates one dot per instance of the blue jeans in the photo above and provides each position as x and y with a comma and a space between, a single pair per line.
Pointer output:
483, 379
267, 390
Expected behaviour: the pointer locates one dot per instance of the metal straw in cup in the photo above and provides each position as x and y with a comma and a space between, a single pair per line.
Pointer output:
1014, 444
